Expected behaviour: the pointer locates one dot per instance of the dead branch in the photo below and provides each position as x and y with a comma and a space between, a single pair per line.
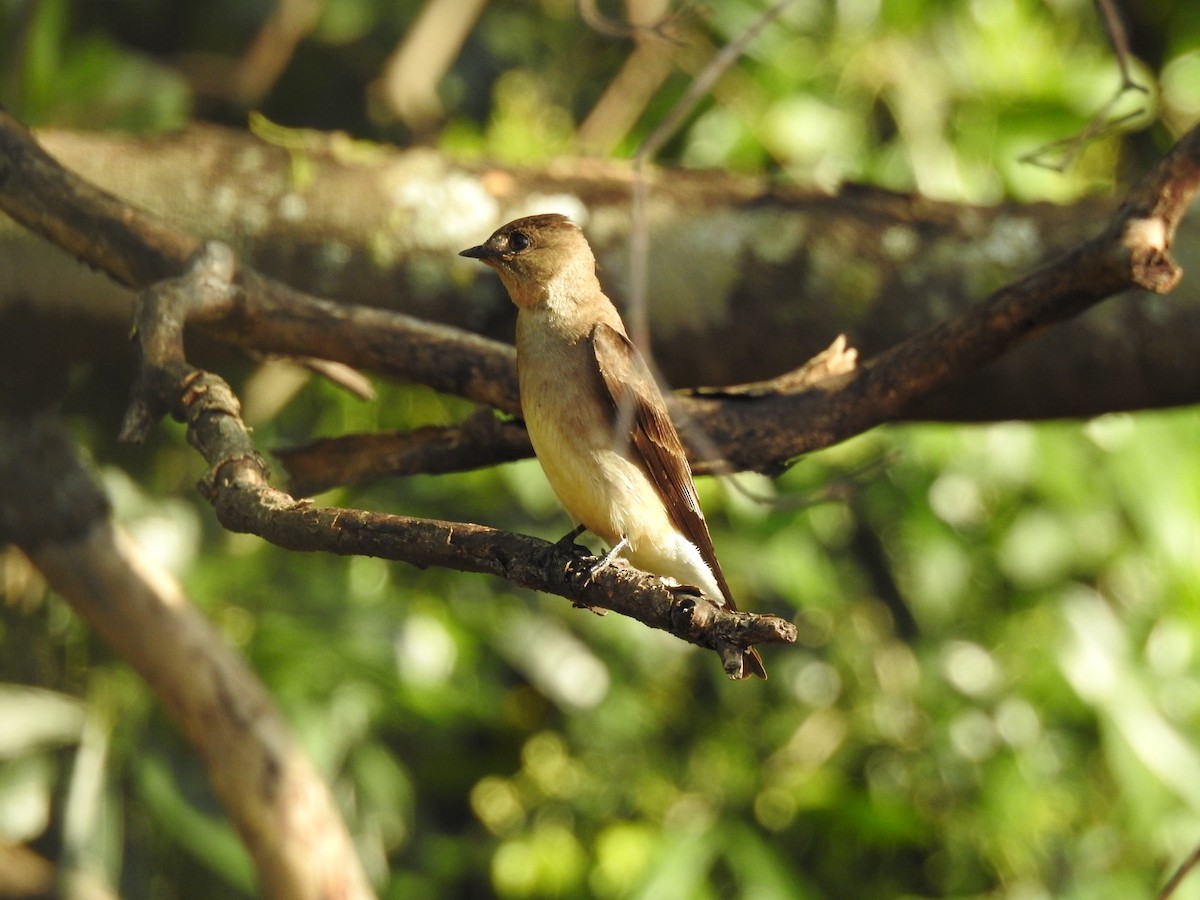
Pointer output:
137, 249
637, 317
483, 439
1058, 156
1132, 251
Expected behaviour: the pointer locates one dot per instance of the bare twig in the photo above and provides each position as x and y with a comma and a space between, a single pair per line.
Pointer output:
638, 313
626, 95
839, 358
1179, 875
637, 317
1100, 125
1114, 28
348, 379
1068, 149
483, 439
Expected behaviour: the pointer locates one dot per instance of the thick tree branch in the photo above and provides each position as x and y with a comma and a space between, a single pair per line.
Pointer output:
131, 246
747, 275
1132, 251
762, 433
137, 249
51, 507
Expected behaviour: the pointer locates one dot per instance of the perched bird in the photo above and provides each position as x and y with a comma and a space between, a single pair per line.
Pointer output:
596, 418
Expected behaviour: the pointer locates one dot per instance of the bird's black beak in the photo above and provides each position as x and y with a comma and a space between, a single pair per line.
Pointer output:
483, 251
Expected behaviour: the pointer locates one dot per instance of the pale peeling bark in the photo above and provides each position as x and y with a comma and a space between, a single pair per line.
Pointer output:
747, 279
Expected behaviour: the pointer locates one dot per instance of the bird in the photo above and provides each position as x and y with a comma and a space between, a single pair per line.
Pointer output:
595, 415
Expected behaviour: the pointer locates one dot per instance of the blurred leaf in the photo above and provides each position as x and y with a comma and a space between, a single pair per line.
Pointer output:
36, 719
26, 786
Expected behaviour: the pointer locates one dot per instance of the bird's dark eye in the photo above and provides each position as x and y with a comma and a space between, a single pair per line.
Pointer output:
518, 241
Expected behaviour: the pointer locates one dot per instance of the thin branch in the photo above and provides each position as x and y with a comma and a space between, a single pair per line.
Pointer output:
703, 82
483, 439
839, 358
637, 316
1118, 39
1179, 875
340, 375
626, 95
1100, 125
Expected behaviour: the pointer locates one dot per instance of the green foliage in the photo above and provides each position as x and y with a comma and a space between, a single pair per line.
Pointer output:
82, 79
1035, 737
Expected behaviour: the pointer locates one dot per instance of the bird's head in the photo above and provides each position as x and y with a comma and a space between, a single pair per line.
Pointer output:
535, 255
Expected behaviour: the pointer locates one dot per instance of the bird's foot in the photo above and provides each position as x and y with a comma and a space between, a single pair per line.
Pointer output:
600, 567
609, 557
568, 539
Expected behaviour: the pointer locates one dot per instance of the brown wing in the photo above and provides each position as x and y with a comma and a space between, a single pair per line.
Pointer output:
641, 413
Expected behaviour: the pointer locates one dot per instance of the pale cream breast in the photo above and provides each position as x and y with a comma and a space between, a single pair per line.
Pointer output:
599, 487
569, 428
